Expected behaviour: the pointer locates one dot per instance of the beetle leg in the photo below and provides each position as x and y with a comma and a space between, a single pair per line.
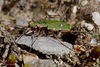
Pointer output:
47, 18
33, 41
40, 19
33, 20
60, 41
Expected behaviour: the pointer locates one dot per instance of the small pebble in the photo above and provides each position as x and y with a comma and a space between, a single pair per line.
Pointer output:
74, 10
96, 18
87, 25
34, 5
93, 41
21, 22
85, 2
98, 0
1, 4
51, 13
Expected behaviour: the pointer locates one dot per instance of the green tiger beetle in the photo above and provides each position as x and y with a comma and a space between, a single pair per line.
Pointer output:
53, 25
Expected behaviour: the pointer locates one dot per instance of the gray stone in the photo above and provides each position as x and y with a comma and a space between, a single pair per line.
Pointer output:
41, 63
1, 4
46, 45
21, 22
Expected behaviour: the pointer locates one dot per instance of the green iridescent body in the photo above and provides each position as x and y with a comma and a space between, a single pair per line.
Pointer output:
52, 25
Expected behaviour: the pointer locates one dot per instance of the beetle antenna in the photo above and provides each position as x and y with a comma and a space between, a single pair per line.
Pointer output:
83, 32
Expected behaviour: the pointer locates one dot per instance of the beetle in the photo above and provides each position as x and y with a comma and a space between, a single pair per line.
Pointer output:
53, 25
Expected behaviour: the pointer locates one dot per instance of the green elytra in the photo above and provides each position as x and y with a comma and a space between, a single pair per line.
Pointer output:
52, 25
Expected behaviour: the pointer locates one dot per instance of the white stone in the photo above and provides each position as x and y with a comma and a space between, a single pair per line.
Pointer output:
98, 0
85, 2
74, 9
96, 18
93, 41
87, 25
51, 13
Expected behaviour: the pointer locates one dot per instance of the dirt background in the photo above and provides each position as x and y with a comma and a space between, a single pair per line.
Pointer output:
15, 17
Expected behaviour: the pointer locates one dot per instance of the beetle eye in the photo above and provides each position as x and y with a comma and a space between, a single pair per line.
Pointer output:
61, 25
34, 26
